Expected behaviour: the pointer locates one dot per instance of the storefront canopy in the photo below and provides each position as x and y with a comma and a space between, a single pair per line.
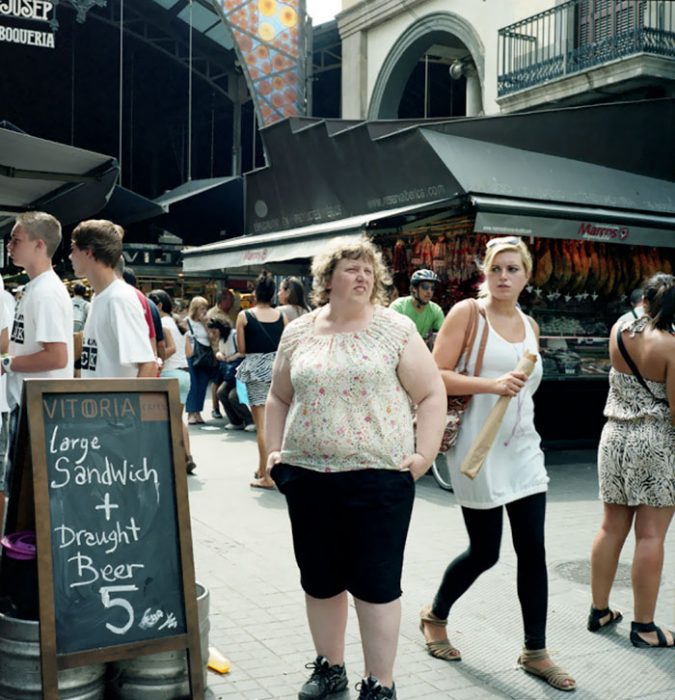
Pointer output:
127, 207
302, 243
35, 174
201, 210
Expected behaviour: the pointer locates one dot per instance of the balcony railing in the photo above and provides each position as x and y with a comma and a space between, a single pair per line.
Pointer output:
582, 34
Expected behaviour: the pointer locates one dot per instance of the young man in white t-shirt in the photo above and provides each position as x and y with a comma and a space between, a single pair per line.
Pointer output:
115, 339
41, 337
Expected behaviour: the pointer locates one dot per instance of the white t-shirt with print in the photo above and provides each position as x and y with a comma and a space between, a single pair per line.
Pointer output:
44, 314
115, 339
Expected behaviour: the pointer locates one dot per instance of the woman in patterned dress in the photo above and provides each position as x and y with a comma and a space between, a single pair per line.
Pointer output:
636, 463
342, 451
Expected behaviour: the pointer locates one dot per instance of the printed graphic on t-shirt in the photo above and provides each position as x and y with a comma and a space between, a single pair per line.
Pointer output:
18, 330
89, 354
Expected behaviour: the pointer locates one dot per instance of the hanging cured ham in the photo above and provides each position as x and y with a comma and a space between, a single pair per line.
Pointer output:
544, 266
440, 253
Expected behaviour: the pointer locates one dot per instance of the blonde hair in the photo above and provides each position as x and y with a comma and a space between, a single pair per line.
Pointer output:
324, 264
39, 225
194, 305
506, 244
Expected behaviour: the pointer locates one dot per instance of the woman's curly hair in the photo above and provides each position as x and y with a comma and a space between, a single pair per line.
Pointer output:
323, 266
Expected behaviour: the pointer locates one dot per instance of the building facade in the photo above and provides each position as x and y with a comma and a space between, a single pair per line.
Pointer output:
451, 58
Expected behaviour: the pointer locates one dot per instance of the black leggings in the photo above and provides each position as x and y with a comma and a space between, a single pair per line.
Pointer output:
485, 533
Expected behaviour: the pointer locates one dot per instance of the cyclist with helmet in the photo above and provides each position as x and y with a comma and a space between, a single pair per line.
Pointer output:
425, 314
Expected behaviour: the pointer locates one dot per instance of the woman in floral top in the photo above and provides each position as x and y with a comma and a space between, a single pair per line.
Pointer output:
343, 452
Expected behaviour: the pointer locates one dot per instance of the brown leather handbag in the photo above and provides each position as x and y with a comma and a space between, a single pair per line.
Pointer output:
458, 404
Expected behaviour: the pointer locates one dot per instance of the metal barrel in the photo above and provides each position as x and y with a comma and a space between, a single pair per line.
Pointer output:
20, 666
160, 676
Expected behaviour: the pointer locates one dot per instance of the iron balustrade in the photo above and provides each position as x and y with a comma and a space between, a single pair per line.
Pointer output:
581, 34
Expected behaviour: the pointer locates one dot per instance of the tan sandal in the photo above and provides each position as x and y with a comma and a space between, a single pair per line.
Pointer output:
441, 649
553, 675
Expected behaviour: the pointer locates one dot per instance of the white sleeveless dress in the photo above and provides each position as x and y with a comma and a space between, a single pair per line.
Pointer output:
514, 467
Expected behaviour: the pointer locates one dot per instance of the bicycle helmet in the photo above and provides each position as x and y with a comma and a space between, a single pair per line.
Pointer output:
423, 276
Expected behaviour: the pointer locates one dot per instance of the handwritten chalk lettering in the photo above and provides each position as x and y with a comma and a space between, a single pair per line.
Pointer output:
68, 444
98, 407
109, 602
150, 619
109, 475
170, 622
87, 573
107, 506
111, 539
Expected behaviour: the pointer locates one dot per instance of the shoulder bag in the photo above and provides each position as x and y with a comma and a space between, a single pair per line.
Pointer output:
458, 404
202, 355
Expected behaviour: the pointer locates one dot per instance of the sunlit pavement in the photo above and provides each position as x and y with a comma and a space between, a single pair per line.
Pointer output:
243, 554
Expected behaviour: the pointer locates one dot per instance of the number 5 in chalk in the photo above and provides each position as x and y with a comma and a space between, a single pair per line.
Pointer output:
109, 602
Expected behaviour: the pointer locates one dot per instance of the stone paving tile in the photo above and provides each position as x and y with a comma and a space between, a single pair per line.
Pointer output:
243, 553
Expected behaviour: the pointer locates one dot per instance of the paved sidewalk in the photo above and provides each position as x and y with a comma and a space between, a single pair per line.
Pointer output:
243, 554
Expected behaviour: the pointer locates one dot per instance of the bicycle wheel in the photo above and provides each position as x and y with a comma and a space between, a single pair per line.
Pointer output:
441, 472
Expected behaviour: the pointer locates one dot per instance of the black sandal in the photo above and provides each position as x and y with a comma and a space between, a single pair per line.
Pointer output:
637, 641
595, 616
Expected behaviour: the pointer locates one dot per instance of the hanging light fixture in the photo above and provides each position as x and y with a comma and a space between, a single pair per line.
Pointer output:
83, 6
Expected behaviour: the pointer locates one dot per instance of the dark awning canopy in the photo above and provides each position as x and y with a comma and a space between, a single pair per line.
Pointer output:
589, 165
204, 210
35, 174
300, 243
127, 207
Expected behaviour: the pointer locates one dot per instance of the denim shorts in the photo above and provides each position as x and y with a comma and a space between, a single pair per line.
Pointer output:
183, 378
349, 529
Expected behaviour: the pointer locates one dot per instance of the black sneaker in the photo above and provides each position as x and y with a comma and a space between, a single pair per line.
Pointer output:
371, 689
324, 681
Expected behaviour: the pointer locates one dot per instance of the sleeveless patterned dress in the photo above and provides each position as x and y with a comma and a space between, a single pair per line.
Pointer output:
636, 456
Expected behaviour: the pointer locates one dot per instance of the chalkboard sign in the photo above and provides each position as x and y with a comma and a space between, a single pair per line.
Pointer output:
114, 537
115, 569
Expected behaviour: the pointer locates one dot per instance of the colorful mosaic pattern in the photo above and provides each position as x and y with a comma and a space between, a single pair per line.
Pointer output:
270, 40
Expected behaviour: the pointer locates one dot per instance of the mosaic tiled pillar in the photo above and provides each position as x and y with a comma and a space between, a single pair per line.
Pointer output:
269, 36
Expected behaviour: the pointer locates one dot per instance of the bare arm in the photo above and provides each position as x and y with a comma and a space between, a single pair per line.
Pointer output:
147, 369
670, 384
421, 380
447, 352
52, 356
276, 409
166, 347
241, 333
4, 341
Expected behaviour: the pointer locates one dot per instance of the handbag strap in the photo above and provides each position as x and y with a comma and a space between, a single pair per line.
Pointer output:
483, 343
470, 335
470, 338
633, 366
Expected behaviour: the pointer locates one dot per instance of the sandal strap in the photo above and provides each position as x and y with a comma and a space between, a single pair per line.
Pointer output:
427, 616
534, 654
638, 627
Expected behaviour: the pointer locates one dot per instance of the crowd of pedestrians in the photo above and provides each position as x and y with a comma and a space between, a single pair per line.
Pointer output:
349, 407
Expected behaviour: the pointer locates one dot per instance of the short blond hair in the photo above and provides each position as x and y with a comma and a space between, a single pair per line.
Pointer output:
324, 264
39, 225
194, 305
505, 244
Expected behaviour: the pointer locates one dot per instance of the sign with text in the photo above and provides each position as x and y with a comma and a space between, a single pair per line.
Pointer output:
29, 11
115, 557
102, 463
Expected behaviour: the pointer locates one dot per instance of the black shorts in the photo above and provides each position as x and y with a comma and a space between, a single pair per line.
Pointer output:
349, 529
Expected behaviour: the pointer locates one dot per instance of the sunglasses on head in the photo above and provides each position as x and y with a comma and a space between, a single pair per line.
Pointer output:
508, 240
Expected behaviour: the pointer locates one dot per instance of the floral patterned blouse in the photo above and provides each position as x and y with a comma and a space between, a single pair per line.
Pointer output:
349, 410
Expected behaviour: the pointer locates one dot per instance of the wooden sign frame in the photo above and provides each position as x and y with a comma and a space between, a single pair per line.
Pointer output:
30, 495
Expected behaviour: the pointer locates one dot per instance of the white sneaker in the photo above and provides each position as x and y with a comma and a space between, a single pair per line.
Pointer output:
250, 428
231, 426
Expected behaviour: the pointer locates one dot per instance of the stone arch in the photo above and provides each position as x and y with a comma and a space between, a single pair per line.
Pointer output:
405, 53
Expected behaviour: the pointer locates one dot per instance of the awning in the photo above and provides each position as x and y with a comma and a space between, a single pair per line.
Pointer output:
127, 207
68, 182
201, 210
504, 216
296, 243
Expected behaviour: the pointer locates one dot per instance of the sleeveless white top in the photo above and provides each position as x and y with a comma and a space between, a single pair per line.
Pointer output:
514, 467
